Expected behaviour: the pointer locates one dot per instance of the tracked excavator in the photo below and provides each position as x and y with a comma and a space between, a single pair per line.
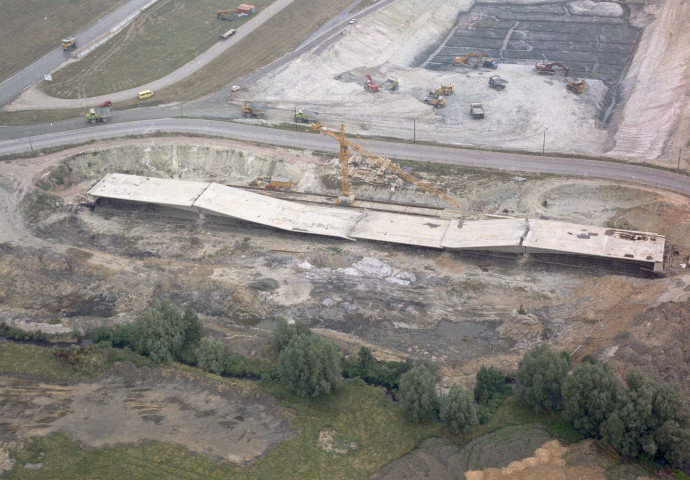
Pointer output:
371, 85
548, 68
465, 61
225, 15
346, 195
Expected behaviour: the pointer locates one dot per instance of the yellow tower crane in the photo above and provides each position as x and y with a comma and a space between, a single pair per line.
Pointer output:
345, 195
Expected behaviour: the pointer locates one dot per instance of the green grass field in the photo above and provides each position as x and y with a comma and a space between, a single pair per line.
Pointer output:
31, 28
170, 34
357, 413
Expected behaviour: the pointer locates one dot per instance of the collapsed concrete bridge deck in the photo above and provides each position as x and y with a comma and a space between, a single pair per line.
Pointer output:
508, 235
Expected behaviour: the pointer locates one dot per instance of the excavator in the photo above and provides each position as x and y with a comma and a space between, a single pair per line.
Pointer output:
465, 61
347, 196
371, 85
547, 68
445, 90
224, 15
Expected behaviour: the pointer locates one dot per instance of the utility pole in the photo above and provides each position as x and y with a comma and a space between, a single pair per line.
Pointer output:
31, 144
414, 130
543, 145
680, 150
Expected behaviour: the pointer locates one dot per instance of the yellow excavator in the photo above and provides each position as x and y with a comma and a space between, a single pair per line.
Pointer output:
346, 195
465, 61
224, 15
445, 90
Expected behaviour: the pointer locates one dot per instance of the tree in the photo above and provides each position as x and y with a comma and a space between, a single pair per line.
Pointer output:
418, 393
458, 410
490, 382
210, 355
589, 397
540, 376
649, 418
310, 365
283, 333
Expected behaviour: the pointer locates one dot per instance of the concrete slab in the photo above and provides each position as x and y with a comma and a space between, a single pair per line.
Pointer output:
416, 230
499, 235
273, 212
161, 191
553, 237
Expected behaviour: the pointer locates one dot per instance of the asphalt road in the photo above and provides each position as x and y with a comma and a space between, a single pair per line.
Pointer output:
448, 155
19, 82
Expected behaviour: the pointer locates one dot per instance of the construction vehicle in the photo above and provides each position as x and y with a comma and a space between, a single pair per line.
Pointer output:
445, 90
279, 183
477, 110
225, 15
391, 84
576, 86
69, 43
465, 61
348, 197
98, 114
490, 63
497, 82
547, 68
435, 100
371, 85
105, 104
253, 110
302, 115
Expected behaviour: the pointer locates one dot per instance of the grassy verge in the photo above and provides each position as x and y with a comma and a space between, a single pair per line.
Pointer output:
29, 117
167, 36
39, 25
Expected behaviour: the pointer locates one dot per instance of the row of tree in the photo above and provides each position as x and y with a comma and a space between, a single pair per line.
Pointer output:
641, 417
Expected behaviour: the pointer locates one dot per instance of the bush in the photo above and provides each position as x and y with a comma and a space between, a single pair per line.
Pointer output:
418, 393
458, 410
310, 365
540, 376
650, 419
490, 382
210, 355
589, 397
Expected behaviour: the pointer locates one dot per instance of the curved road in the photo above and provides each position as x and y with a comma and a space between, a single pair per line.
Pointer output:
454, 156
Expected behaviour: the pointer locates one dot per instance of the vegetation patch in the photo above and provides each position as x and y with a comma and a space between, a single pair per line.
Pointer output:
39, 205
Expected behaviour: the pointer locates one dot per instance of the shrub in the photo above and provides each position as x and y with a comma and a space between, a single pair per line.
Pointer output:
458, 410
589, 397
373, 372
540, 375
210, 355
310, 365
418, 393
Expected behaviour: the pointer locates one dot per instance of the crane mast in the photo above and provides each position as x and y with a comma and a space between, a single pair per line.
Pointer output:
384, 163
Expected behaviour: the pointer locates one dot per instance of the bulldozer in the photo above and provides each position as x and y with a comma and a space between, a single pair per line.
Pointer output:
253, 110
371, 85
435, 100
69, 43
445, 90
224, 15
576, 86
465, 61
547, 68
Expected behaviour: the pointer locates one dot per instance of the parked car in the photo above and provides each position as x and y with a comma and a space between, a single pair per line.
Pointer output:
354, 20
106, 104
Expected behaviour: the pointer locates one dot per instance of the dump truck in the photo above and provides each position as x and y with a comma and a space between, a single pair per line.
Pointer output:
576, 86
253, 110
98, 114
436, 101
476, 110
445, 90
391, 84
497, 82
279, 183
302, 115
69, 43
490, 63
